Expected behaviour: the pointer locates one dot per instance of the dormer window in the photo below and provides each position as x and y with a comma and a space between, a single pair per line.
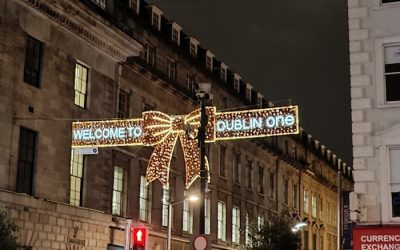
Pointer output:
209, 60
236, 82
176, 33
193, 43
248, 91
156, 14
259, 100
223, 72
134, 5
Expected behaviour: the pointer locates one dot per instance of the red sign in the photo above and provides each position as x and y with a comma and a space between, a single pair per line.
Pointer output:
139, 237
376, 238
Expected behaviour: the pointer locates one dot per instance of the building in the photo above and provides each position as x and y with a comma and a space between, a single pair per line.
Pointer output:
63, 61
374, 57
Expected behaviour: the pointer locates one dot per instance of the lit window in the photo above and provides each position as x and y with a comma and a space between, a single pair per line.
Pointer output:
394, 161
150, 55
236, 167
260, 222
321, 208
221, 221
144, 200
306, 207
26, 160
392, 73
33, 61
165, 207
187, 220
222, 166
76, 177
81, 84
207, 214
190, 83
260, 180
271, 185
117, 190
247, 229
249, 174
176, 33
314, 205
286, 191
171, 69
193, 46
123, 104
235, 225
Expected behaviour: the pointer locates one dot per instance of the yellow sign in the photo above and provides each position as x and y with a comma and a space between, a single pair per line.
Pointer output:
162, 131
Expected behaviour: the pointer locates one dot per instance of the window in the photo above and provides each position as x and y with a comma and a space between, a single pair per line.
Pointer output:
236, 83
305, 240
248, 92
187, 220
260, 98
134, 5
394, 161
247, 229
26, 160
155, 20
175, 36
144, 200
305, 201
33, 61
321, 208
260, 222
249, 174
222, 166
207, 211
193, 46
392, 73
81, 85
176, 33
150, 55
209, 62
314, 205
236, 167
123, 104
221, 221
235, 225
286, 191
190, 83
75, 193
117, 190
314, 241
223, 72
321, 241
260, 180
389, 1
223, 103
165, 207
295, 195
171, 69
271, 185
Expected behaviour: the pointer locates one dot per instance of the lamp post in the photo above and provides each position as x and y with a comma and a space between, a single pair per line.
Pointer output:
191, 198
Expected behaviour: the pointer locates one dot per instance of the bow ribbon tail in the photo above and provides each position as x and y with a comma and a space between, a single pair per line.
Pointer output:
159, 163
191, 153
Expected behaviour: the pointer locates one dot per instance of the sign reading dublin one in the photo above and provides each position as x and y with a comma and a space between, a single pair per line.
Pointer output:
161, 131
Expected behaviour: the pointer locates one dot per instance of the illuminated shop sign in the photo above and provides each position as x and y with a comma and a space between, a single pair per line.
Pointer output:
376, 237
162, 131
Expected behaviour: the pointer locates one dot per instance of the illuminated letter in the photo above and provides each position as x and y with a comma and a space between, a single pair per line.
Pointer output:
256, 123
270, 122
98, 133
106, 133
245, 126
121, 133
279, 121
113, 133
78, 134
221, 126
238, 125
134, 132
289, 120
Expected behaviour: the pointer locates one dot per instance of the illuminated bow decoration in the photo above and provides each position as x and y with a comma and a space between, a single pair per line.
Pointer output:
162, 131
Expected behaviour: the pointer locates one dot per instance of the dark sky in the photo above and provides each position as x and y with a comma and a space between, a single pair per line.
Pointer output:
289, 49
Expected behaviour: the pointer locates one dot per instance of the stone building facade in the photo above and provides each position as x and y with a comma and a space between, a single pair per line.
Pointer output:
64, 61
375, 99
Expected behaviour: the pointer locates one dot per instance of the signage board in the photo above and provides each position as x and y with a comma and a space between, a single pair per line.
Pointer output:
376, 237
86, 151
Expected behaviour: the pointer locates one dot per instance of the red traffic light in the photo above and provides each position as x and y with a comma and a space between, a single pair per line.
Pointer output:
139, 237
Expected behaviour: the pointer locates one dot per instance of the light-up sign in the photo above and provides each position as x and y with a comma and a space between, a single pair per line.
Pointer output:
162, 131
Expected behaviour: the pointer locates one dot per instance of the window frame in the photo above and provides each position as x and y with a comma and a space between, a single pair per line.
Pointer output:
236, 225
81, 178
249, 174
125, 112
190, 82
261, 180
221, 221
272, 185
118, 191
23, 161
171, 69
36, 55
146, 206
236, 167
222, 161
85, 93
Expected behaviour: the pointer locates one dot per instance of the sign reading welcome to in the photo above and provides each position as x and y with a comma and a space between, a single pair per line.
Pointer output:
162, 131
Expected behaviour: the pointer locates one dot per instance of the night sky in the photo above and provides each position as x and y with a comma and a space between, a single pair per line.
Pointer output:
288, 50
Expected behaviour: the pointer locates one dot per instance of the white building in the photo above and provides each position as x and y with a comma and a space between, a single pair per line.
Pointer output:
374, 34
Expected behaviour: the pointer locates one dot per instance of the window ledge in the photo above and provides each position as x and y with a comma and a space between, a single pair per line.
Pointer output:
389, 105
382, 6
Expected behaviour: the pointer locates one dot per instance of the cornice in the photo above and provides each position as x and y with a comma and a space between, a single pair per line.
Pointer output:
116, 45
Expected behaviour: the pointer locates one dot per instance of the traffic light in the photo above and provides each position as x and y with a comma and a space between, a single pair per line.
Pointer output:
139, 235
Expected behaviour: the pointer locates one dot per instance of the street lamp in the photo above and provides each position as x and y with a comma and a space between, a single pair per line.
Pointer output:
191, 198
